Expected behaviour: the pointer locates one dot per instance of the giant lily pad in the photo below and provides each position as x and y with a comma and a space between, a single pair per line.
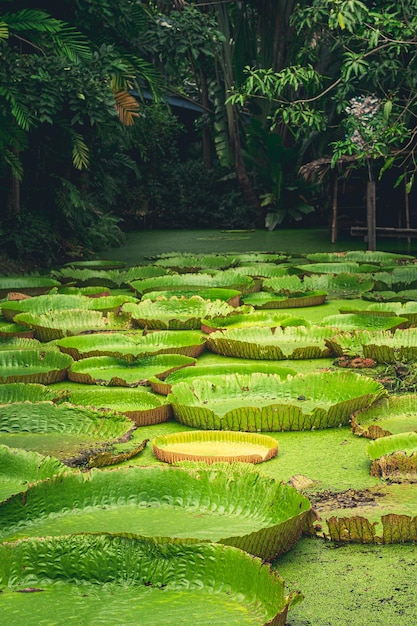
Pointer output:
261, 402
385, 347
394, 456
177, 313
9, 329
131, 346
31, 392
31, 285
64, 323
42, 304
139, 405
194, 263
231, 296
108, 370
345, 267
251, 319
268, 300
97, 264
357, 321
60, 430
360, 256
33, 366
229, 504
215, 446
228, 279
271, 343
406, 310
19, 468
393, 415
339, 285
19, 343
215, 371
135, 580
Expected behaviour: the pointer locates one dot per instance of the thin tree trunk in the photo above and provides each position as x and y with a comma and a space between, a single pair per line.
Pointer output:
13, 199
206, 138
371, 214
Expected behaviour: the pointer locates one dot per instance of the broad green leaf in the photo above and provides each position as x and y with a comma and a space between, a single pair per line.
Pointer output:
136, 578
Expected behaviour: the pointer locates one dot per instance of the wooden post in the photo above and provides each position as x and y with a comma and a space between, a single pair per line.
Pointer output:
371, 214
334, 207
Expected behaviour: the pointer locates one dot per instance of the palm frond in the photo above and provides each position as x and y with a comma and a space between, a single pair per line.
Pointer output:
80, 152
12, 160
127, 107
32, 19
4, 31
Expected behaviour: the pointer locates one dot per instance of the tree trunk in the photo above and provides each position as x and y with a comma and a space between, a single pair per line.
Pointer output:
13, 198
206, 137
371, 214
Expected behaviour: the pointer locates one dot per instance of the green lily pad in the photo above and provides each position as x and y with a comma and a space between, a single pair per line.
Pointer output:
268, 300
231, 296
228, 279
131, 346
251, 319
30, 285
339, 285
262, 402
195, 263
272, 343
68, 322
33, 366
260, 257
385, 347
31, 392
9, 329
406, 310
97, 264
357, 321
229, 504
136, 579
20, 468
214, 447
392, 416
43, 304
141, 406
59, 430
394, 456
339, 267
215, 371
108, 370
177, 313
360, 256
19, 343
404, 277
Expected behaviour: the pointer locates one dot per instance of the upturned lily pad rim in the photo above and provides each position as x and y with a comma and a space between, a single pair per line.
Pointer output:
401, 442
108, 559
164, 447
82, 371
37, 366
278, 510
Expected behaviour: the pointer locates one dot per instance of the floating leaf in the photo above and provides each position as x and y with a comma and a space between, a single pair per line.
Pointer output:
131, 346
33, 366
177, 313
136, 578
107, 370
230, 504
271, 343
64, 323
261, 402
215, 371
141, 406
215, 446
